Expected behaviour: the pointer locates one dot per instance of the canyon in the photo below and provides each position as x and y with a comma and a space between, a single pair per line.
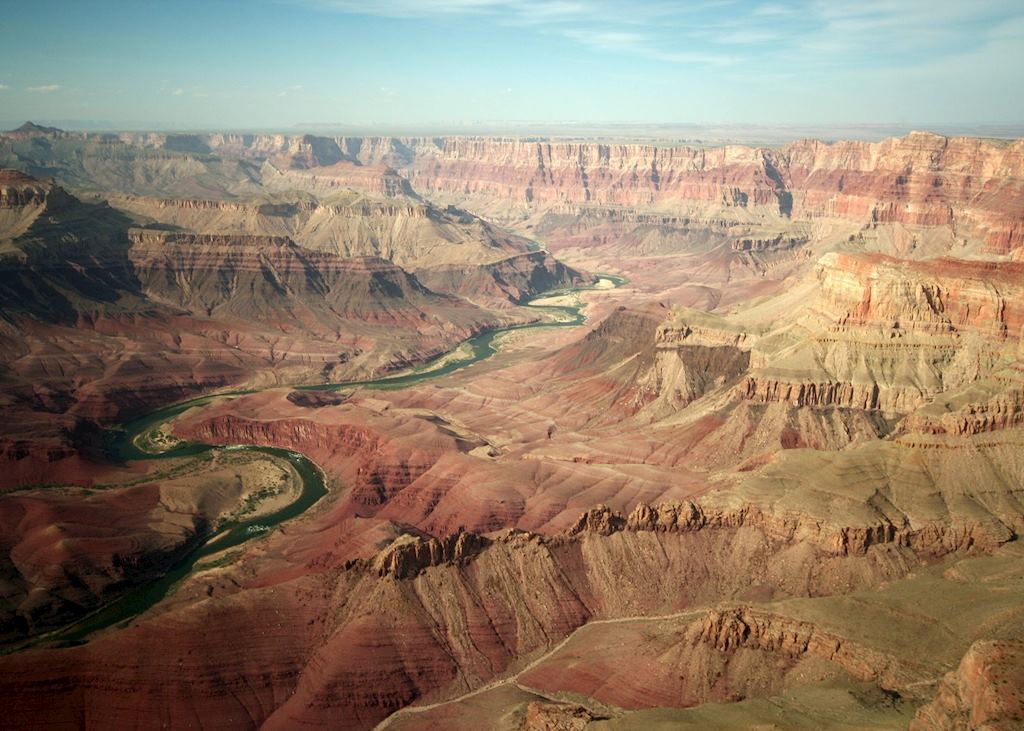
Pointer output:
612, 435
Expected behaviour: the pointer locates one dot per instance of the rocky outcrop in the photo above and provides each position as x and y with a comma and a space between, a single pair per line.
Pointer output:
843, 395
286, 173
667, 517
729, 630
604, 174
512, 280
681, 375
687, 516
1002, 411
600, 520
922, 179
542, 716
158, 238
689, 328
886, 335
23, 199
407, 557
766, 244
938, 297
317, 399
688, 355
20, 190
985, 692
829, 536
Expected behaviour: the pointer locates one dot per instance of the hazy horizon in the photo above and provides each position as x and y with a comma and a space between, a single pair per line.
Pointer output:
685, 134
285, 64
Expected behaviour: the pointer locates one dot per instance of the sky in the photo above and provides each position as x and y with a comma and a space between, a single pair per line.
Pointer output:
277, 64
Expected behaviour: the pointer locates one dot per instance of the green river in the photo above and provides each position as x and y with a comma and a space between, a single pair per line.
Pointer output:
123, 446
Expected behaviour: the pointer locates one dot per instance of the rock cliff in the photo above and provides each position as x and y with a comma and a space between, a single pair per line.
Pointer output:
972, 189
986, 691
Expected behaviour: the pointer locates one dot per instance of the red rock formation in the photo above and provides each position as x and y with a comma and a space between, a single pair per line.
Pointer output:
888, 335
601, 520
406, 559
732, 629
352, 646
725, 655
922, 179
936, 296
830, 537
66, 554
986, 691
273, 279
843, 395
613, 174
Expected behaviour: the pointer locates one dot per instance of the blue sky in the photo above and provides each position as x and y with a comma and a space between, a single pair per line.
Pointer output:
279, 63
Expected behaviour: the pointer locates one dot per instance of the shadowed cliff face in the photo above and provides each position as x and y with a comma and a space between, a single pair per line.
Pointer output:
101, 317
60, 256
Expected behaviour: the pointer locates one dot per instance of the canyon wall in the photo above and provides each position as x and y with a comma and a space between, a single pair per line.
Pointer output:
971, 188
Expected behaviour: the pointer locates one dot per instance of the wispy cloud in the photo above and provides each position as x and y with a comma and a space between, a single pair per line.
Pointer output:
647, 46
719, 33
773, 9
4, 87
44, 88
193, 91
650, 29
610, 40
413, 8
